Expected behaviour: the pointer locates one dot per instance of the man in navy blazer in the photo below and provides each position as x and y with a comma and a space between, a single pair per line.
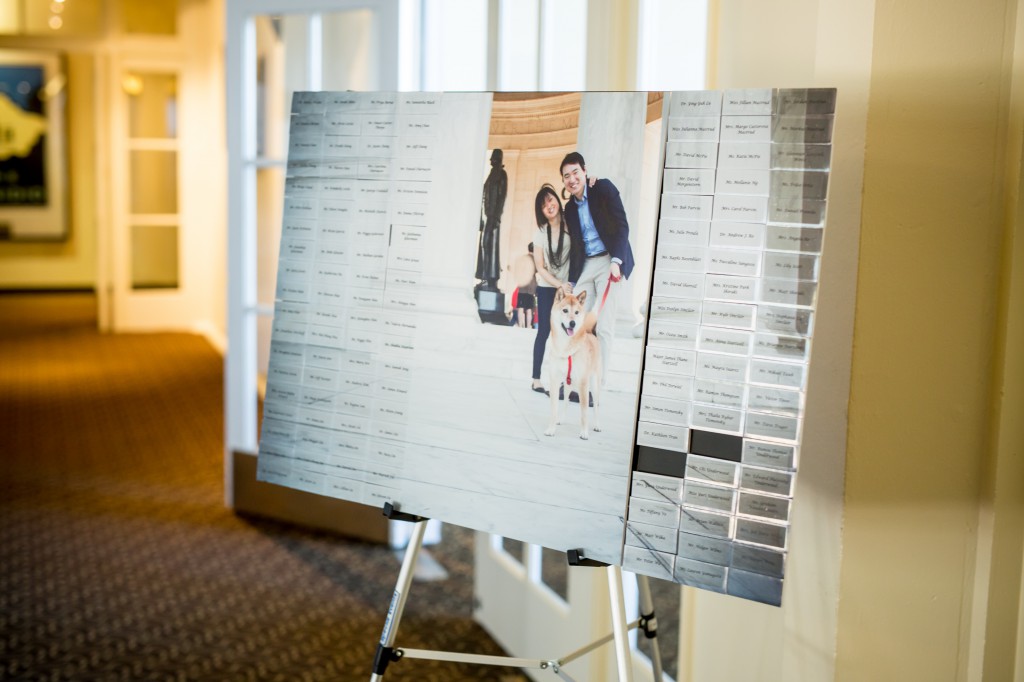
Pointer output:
600, 245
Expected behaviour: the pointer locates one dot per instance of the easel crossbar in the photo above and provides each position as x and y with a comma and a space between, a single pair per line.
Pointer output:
479, 659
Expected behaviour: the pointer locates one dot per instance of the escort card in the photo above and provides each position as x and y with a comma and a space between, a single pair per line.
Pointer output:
695, 103
743, 181
784, 347
776, 373
735, 262
740, 289
804, 129
786, 291
683, 232
678, 284
647, 562
791, 266
689, 181
719, 393
678, 258
413, 170
736, 315
737, 235
744, 155
691, 154
740, 208
802, 156
694, 128
746, 128
704, 548
803, 101
342, 123
709, 497
686, 207
657, 538
716, 418
772, 426
777, 400
667, 386
783, 238
681, 336
711, 470
757, 560
762, 453
699, 574
664, 410
657, 488
720, 340
755, 587
307, 123
663, 436
764, 506
747, 101
761, 533
784, 320
705, 523
654, 513
796, 210
806, 184
670, 361
765, 481
675, 310
716, 367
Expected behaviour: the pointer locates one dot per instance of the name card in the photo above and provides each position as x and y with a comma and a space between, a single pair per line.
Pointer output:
777, 400
654, 513
802, 129
342, 123
721, 340
796, 210
681, 336
718, 393
803, 184
647, 536
694, 128
715, 367
740, 208
303, 124
743, 181
664, 410
709, 497
762, 453
776, 373
734, 262
788, 292
737, 235
695, 103
689, 181
772, 426
802, 156
711, 470
784, 347
669, 361
675, 310
747, 101
691, 154
686, 206
757, 560
766, 481
419, 103
803, 101
763, 506
761, 533
699, 574
737, 289
704, 548
716, 418
791, 266
679, 284
757, 155
648, 562
746, 128
672, 386
735, 315
784, 320
683, 232
663, 436
383, 147
678, 258
705, 523
804, 239
658, 488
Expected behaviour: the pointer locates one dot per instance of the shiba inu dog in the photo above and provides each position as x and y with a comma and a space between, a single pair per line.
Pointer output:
572, 337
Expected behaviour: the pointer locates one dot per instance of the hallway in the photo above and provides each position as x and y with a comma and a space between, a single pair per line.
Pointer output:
118, 559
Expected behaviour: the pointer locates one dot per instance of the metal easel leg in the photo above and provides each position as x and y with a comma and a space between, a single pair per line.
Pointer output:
385, 649
649, 624
619, 625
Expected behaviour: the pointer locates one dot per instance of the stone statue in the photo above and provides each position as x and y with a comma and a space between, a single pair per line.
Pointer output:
488, 263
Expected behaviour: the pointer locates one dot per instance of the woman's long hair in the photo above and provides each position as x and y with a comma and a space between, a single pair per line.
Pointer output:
555, 258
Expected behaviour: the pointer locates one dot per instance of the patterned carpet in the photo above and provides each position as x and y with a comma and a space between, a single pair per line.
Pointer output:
118, 560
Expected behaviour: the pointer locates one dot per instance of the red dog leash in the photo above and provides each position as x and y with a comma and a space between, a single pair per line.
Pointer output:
607, 288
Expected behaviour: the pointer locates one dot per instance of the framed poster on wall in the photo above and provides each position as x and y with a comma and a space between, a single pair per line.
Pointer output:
33, 202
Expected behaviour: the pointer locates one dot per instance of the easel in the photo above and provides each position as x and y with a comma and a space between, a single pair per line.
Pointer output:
388, 653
